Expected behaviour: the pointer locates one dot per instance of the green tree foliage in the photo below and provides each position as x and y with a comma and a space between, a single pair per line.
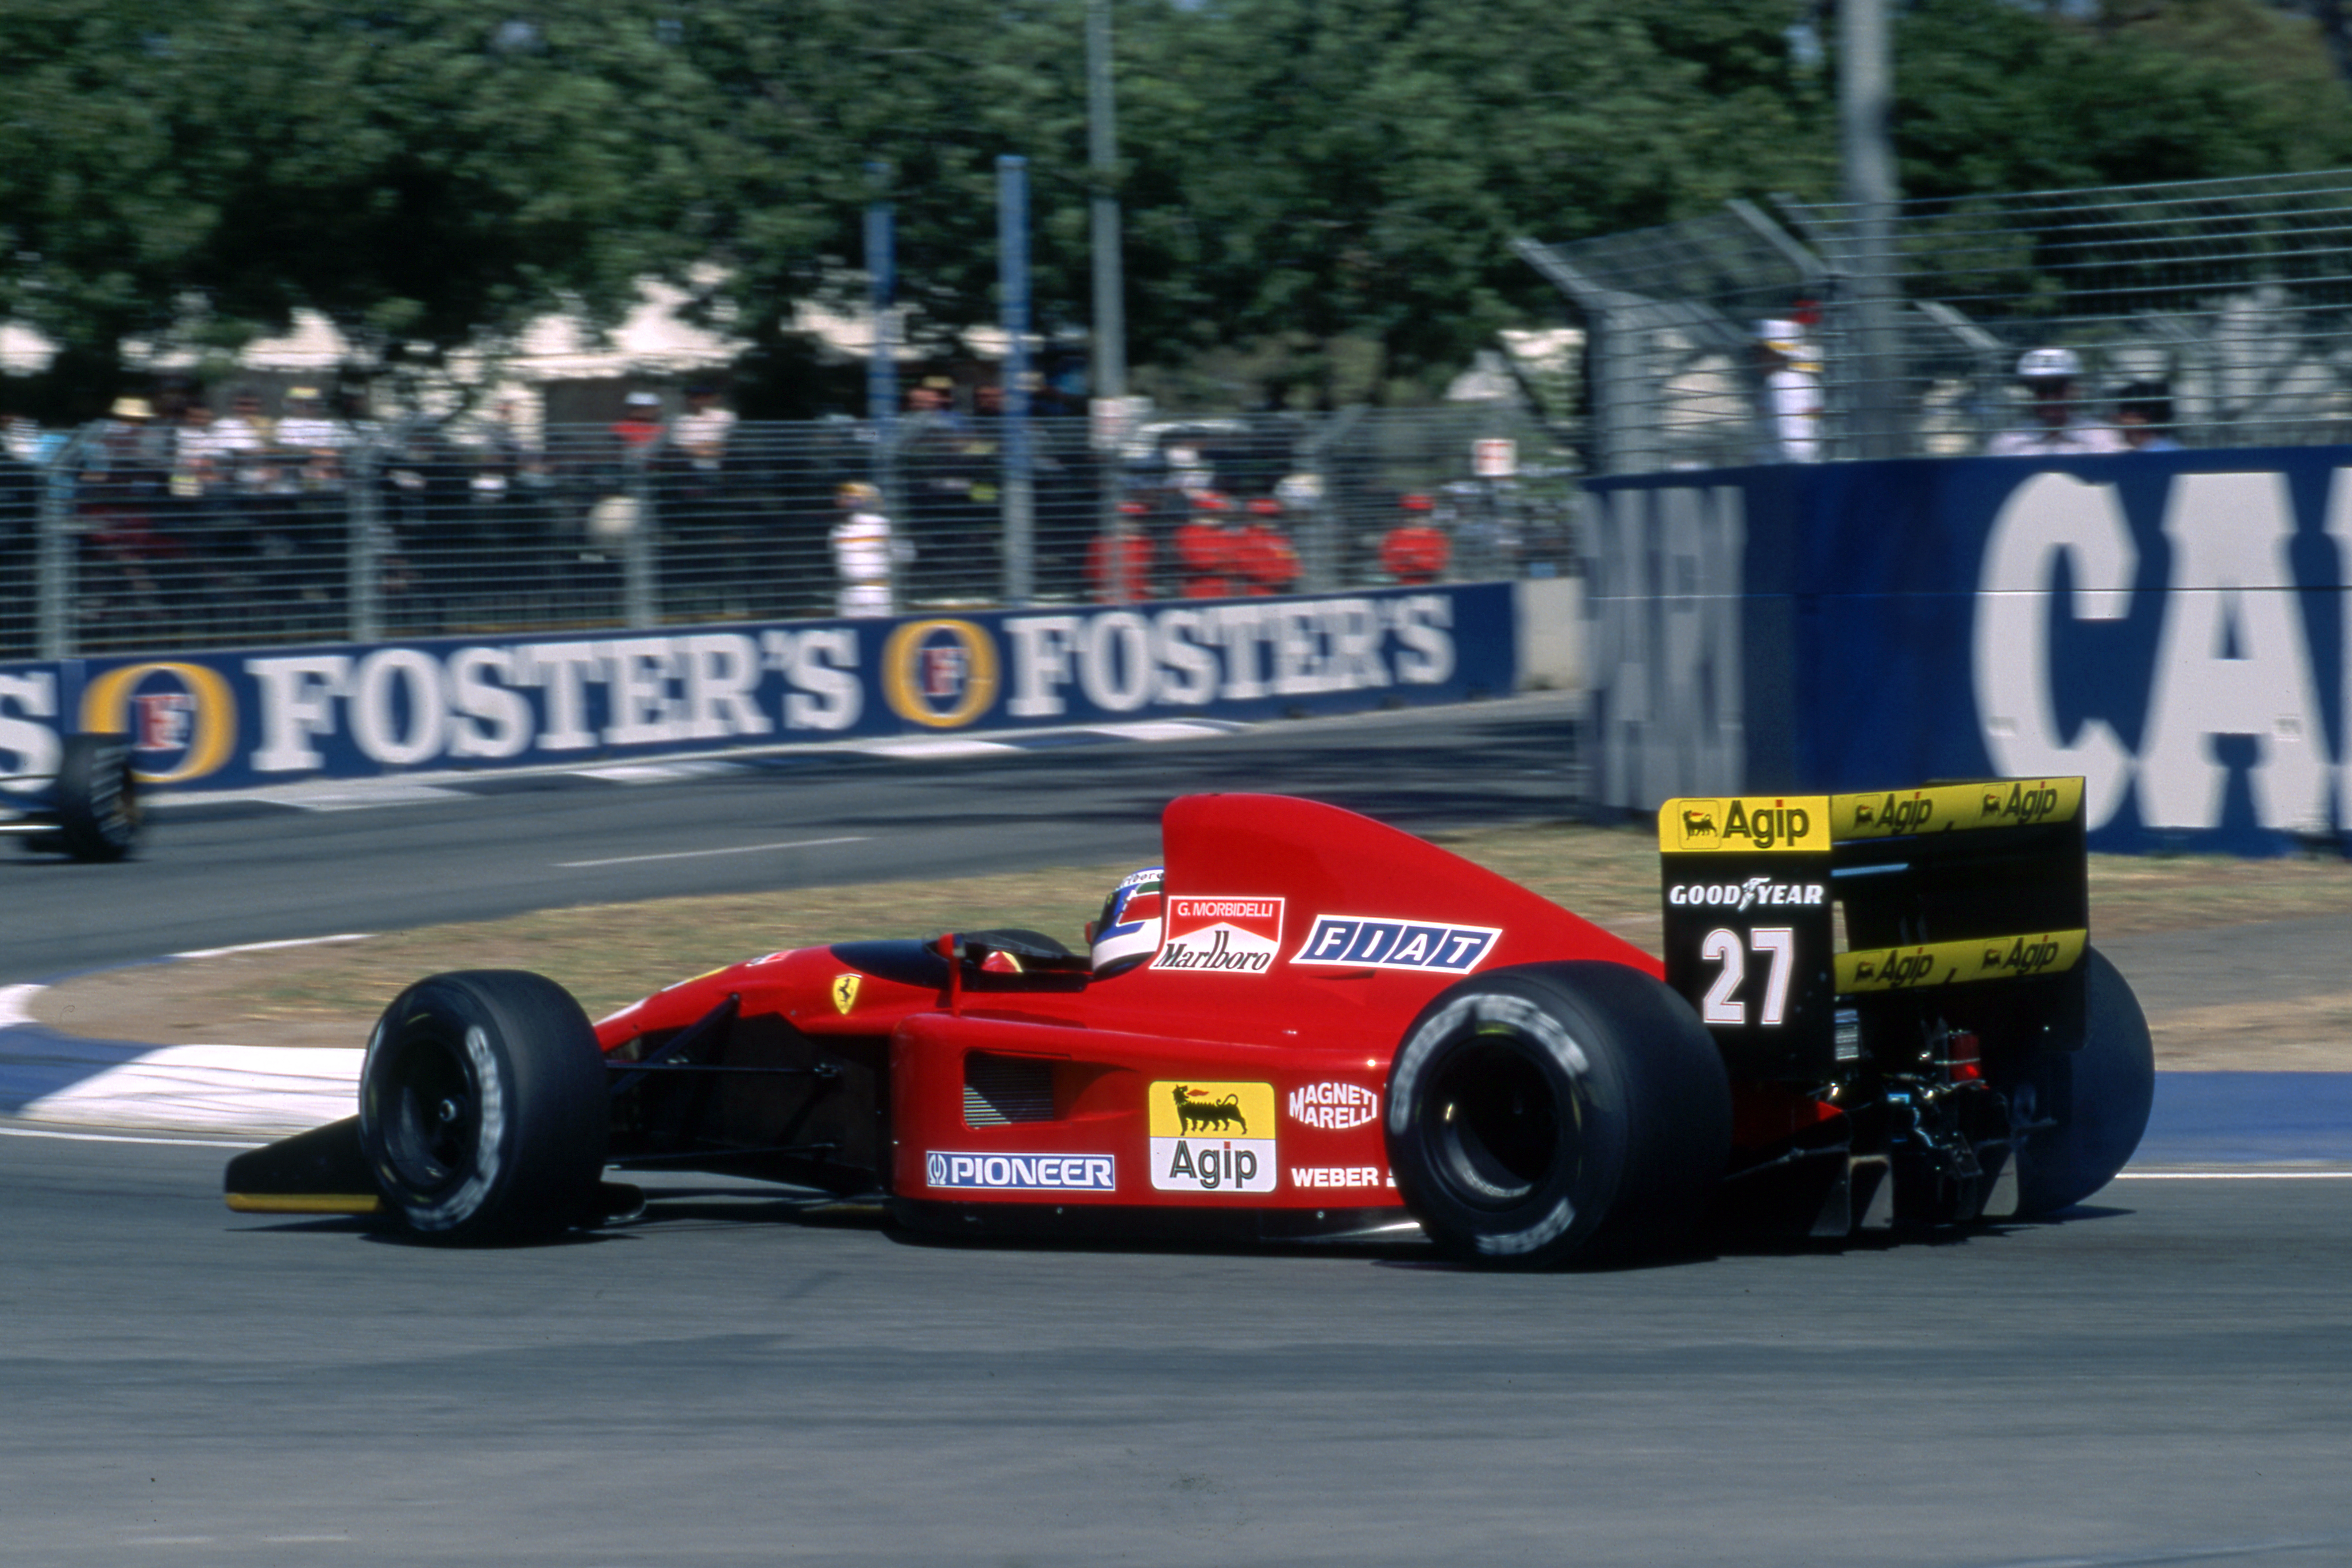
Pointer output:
416, 173
1318, 193
1992, 97
1308, 170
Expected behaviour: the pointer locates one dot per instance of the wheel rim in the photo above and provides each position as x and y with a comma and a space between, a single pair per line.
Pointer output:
1499, 1131
432, 1116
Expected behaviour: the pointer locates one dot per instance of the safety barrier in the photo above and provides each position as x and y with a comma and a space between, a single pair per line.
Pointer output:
2171, 626
226, 720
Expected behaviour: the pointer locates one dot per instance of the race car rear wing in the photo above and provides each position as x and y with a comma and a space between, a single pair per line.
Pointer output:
1787, 916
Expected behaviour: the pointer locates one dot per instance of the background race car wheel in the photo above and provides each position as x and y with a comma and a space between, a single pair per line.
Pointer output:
97, 798
1553, 1111
2098, 1095
483, 1109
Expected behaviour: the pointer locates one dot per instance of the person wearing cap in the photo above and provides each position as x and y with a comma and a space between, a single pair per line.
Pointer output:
640, 423
1119, 564
1415, 552
1792, 392
865, 552
1204, 548
2054, 426
116, 496
1262, 559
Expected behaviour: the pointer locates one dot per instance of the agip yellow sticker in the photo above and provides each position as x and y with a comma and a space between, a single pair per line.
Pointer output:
1745, 824
1955, 808
1212, 1137
1961, 962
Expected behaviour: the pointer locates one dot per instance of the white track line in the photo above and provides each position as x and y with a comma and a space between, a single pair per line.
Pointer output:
269, 1089
698, 854
2233, 1176
923, 748
125, 1138
274, 946
15, 1004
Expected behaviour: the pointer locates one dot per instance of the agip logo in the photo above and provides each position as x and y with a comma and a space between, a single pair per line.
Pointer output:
180, 719
1212, 1137
1745, 824
940, 674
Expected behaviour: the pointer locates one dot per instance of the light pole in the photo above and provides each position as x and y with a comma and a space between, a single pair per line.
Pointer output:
1110, 337
1866, 149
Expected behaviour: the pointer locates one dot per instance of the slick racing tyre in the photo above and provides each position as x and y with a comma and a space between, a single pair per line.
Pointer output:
97, 798
1552, 1113
483, 1110
2097, 1094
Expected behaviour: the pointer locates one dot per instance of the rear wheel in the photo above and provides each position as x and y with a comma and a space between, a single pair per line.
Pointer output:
2097, 1094
483, 1110
97, 798
1557, 1112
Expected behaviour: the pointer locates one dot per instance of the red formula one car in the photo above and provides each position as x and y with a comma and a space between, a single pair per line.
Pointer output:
1311, 1024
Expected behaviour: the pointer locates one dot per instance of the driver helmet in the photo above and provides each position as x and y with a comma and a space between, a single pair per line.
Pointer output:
1127, 931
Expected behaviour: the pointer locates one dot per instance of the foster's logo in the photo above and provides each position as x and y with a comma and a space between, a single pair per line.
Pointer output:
181, 718
941, 674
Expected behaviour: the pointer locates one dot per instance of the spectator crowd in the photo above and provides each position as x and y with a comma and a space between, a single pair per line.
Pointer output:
256, 514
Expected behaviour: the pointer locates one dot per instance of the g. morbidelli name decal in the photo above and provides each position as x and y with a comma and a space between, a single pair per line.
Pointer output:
1222, 935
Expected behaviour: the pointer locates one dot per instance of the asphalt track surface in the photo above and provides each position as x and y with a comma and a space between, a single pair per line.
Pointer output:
2162, 1377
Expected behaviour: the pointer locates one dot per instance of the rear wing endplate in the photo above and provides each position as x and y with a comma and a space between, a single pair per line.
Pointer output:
1950, 885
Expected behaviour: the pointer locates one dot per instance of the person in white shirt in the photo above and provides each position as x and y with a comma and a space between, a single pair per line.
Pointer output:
2054, 427
864, 554
1792, 392
306, 426
702, 430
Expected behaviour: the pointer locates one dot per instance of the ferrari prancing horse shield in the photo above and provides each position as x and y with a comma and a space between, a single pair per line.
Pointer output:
845, 992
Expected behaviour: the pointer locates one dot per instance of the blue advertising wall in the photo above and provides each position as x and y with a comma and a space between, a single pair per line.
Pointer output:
281, 715
2169, 625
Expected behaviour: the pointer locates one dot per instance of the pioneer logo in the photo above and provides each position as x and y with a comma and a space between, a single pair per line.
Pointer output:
1045, 1173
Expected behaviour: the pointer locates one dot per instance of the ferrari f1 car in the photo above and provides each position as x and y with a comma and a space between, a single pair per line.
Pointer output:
88, 808
1874, 1011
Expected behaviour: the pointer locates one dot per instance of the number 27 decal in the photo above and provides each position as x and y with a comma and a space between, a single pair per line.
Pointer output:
1723, 946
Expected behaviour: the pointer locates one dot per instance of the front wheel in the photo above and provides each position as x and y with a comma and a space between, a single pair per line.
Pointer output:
97, 798
1552, 1113
483, 1110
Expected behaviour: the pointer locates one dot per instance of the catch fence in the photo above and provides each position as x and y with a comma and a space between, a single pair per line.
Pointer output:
132, 538
2218, 312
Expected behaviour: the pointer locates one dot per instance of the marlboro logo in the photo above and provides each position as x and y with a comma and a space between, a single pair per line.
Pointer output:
1222, 935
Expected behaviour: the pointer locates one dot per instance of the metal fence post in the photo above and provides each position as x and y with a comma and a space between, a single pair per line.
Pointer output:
54, 567
364, 520
1320, 565
640, 563
1013, 274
